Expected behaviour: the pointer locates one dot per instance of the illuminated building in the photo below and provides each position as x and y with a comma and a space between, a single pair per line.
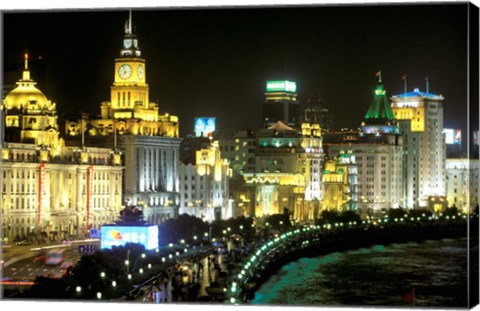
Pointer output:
339, 183
148, 139
190, 145
240, 151
462, 183
316, 111
47, 188
284, 173
204, 185
420, 117
378, 150
281, 104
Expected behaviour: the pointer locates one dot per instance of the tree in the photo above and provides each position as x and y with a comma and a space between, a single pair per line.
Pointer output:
349, 216
183, 227
131, 214
451, 211
396, 213
328, 217
86, 274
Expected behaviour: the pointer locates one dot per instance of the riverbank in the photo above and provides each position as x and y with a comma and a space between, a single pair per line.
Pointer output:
323, 242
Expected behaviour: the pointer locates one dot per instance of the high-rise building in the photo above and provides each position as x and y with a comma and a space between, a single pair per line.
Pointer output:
281, 104
420, 117
149, 140
378, 150
50, 191
316, 111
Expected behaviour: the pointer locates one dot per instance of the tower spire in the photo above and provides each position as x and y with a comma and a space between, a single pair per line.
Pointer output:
130, 21
26, 60
128, 24
26, 72
130, 42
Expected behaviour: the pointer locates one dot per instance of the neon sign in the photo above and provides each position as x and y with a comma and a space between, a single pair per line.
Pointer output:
281, 86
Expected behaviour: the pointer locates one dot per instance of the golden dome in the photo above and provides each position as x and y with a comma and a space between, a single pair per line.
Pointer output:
25, 94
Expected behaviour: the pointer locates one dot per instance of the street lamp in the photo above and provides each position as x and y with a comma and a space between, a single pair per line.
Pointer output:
99, 295
78, 289
127, 262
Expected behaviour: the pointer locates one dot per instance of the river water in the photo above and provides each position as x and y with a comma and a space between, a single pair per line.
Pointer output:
381, 275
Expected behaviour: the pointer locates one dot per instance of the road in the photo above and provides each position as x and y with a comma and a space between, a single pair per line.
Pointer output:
25, 263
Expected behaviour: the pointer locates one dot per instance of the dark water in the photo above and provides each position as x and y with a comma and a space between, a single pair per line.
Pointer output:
378, 275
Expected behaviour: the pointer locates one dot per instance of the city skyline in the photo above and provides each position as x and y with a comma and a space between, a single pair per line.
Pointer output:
208, 62
376, 205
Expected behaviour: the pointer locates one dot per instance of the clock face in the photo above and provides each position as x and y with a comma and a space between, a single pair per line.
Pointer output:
140, 72
125, 71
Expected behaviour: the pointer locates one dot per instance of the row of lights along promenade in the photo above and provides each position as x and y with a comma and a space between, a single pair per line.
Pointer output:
245, 258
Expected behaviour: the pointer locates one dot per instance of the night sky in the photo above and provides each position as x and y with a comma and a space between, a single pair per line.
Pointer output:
214, 62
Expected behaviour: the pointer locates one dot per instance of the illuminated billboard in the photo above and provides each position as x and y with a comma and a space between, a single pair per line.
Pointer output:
113, 235
281, 86
453, 136
204, 126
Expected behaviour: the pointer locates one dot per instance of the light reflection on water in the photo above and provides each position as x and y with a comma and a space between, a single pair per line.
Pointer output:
377, 275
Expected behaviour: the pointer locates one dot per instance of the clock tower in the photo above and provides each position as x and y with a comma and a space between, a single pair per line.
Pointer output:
147, 139
129, 92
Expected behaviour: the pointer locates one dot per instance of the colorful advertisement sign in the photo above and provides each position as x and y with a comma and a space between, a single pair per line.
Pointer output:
121, 235
457, 140
453, 136
204, 126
